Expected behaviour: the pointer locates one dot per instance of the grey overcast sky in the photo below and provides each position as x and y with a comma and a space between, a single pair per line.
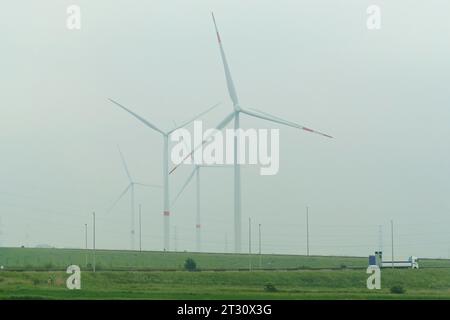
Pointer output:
383, 94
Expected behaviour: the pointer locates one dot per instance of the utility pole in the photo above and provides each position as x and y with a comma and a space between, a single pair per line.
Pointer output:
140, 228
93, 241
380, 238
250, 244
175, 238
307, 231
27, 235
86, 244
1, 243
260, 253
198, 226
226, 243
392, 242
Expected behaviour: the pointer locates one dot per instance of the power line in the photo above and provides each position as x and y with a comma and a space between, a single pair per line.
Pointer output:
260, 252
86, 243
392, 242
140, 228
93, 241
307, 231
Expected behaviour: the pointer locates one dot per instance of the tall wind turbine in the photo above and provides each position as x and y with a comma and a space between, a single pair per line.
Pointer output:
165, 135
237, 110
130, 187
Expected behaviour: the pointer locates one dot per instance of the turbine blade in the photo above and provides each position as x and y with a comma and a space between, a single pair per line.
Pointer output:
194, 118
118, 199
219, 127
148, 185
125, 164
186, 183
230, 84
268, 117
138, 117
267, 114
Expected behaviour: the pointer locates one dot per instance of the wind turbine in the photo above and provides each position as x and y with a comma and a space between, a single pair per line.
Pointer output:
130, 187
196, 172
237, 110
165, 135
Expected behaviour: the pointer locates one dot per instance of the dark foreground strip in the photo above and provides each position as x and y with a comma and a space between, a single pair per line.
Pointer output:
220, 309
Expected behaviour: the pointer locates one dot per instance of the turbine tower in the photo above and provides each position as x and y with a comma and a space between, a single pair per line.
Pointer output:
130, 187
165, 135
237, 110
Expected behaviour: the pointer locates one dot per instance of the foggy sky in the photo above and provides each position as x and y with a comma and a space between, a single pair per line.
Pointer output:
382, 94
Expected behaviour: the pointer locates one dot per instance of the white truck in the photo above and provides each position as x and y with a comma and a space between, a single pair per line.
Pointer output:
412, 263
377, 259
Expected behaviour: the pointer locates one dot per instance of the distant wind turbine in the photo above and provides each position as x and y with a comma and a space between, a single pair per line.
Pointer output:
237, 110
130, 187
165, 135
198, 224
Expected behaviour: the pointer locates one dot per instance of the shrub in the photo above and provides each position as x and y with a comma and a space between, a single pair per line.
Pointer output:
190, 265
343, 266
270, 288
397, 289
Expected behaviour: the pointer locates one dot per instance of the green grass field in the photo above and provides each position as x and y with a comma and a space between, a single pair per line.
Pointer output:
36, 274
59, 259
306, 284
112, 260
